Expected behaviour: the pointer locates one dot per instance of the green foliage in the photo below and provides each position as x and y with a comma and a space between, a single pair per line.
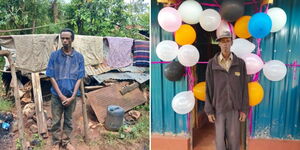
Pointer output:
5, 105
18, 144
85, 17
15, 14
39, 139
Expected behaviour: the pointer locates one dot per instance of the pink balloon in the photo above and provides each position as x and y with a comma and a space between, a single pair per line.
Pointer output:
253, 63
169, 19
225, 27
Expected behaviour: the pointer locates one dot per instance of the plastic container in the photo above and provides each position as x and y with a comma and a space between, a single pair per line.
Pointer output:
114, 117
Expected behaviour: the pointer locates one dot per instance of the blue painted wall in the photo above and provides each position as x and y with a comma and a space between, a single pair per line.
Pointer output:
278, 116
163, 118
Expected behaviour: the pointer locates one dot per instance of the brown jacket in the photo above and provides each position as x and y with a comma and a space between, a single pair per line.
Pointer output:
226, 90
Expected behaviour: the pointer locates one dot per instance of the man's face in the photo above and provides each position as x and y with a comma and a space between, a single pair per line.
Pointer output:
225, 44
66, 39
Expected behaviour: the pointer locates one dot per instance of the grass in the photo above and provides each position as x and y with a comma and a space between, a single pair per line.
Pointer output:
137, 132
5, 105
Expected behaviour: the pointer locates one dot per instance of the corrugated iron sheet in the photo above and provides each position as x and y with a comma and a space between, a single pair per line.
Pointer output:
278, 116
163, 118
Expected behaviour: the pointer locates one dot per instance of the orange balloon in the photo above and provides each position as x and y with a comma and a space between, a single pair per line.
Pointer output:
199, 91
241, 27
256, 93
185, 35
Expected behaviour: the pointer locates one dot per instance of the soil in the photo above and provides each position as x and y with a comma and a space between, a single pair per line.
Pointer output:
97, 140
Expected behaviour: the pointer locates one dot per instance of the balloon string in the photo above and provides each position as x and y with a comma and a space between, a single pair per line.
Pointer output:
294, 65
204, 62
216, 4
191, 81
231, 29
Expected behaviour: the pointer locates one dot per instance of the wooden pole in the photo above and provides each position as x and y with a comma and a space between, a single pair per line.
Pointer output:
84, 113
17, 96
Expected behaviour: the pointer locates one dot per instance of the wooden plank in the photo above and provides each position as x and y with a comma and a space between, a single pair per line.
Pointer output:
129, 88
38, 100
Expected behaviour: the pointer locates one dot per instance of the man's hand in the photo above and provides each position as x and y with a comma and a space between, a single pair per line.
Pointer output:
211, 118
242, 117
68, 101
62, 98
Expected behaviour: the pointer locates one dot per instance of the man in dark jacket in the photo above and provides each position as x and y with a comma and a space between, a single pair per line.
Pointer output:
226, 102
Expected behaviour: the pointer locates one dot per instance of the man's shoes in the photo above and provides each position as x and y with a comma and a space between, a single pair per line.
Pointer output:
70, 147
55, 147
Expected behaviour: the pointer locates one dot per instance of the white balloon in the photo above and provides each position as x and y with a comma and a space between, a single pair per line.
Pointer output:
210, 20
190, 11
241, 47
188, 55
183, 102
278, 17
274, 70
167, 50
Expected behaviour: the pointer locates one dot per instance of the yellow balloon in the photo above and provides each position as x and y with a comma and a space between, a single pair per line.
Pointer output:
241, 27
256, 93
185, 35
199, 91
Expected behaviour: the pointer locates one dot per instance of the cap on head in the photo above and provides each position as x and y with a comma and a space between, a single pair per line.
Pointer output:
225, 34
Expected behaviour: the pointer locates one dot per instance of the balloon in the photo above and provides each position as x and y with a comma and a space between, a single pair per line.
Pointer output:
231, 10
199, 91
241, 47
225, 27
253, 63
278, 17
241, 27
174, 71
183, 102
188, 55
210, 20
190, 11
185, 35
169, 19
274, 70
255, 92
167, 50
260, 25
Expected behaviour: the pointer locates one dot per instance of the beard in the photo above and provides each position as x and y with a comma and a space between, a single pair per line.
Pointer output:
65, 46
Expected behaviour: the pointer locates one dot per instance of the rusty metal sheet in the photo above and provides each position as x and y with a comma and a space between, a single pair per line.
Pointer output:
100, 99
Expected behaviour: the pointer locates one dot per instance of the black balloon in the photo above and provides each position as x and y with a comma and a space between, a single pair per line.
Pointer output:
231, 10
174, 71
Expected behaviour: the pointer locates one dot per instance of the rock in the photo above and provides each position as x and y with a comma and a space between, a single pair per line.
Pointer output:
90, 124
127, 130
15, 126
96, 125
49, 123
34, 118
29, 110
29, 122
135, 114
34, 128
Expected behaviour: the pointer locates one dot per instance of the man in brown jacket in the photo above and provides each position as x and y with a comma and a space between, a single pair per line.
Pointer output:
226, 102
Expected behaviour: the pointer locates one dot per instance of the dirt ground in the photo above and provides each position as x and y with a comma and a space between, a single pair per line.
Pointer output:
100, 138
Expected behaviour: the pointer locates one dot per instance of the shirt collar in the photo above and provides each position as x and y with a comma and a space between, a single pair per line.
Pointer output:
64, 54
222, 58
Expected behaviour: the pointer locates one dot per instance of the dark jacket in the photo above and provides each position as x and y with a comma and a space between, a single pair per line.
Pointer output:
226, 91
